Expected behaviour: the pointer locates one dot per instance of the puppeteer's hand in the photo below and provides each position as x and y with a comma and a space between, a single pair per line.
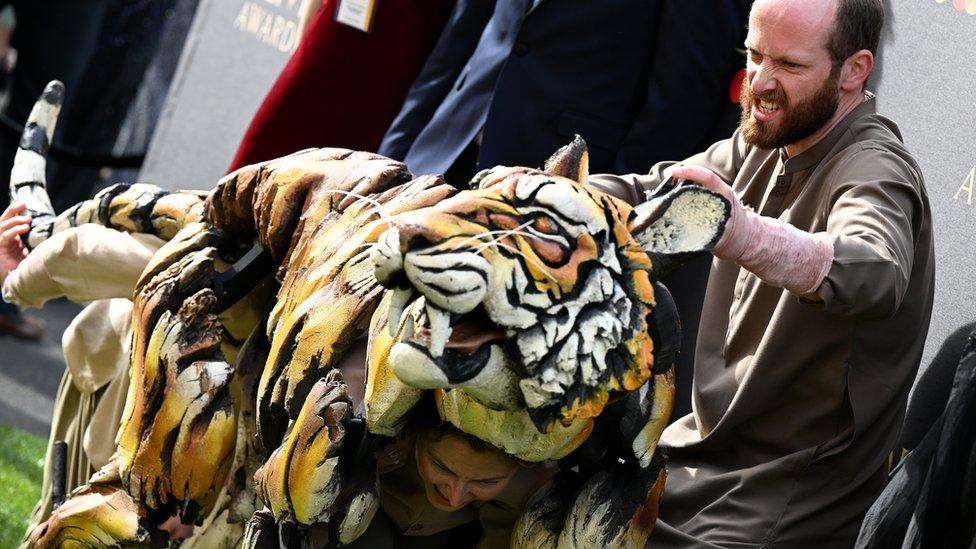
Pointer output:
737, 233
775, 251
12, 249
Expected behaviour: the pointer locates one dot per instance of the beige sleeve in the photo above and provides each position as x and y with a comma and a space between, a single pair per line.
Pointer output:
96, 343
725, 158
83, 264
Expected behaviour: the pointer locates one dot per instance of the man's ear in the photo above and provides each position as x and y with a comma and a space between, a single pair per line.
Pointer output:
856, 70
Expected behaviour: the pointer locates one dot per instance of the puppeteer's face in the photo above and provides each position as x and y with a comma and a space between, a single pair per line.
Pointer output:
455, 474
790, 91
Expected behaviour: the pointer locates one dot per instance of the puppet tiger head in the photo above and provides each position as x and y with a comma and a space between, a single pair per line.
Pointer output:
528, 291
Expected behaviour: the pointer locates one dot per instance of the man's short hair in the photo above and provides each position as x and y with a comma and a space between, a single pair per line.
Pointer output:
857, 27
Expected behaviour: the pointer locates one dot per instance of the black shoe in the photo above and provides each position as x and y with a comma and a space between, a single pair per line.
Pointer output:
21, 326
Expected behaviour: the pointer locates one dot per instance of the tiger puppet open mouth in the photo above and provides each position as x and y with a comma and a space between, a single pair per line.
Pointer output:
527, 307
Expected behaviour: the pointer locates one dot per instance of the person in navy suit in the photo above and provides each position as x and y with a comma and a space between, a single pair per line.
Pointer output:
511, 81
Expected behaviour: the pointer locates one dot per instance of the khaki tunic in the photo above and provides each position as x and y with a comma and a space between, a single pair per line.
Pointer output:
84, 264
796, 404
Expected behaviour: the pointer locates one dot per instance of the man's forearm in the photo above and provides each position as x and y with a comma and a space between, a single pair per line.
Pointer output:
777, 252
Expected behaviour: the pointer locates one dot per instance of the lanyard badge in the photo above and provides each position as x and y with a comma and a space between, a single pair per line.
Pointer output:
356, 13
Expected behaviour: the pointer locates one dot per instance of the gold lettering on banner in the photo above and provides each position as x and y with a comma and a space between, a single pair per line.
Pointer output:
267, 26
967, 187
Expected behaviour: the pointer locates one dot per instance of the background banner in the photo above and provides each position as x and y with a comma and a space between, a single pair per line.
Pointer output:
927, 85
233, 54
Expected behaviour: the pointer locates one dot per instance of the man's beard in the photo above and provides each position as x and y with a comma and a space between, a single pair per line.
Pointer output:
796, 123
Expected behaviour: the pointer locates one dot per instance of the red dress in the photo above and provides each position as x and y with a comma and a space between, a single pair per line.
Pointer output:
343, 87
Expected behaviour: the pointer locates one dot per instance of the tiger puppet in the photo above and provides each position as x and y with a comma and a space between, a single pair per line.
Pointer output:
527, 308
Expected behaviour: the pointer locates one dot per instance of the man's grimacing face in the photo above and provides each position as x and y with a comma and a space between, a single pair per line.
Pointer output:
790, 90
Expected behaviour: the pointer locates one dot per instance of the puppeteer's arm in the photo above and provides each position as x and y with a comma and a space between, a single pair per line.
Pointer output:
83, 264
861, 263
723, 158
875, 215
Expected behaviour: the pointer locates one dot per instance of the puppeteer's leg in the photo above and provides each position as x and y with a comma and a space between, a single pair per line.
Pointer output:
91, 393
72, 412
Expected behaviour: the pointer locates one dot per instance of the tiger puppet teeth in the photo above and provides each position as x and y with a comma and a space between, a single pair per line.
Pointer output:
535, 282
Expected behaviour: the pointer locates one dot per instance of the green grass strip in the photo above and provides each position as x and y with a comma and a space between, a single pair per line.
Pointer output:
21, 473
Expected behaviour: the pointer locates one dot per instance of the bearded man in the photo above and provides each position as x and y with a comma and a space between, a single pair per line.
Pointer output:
819, 296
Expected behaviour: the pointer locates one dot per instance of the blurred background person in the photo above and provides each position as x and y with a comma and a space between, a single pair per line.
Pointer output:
99, 49
343, 86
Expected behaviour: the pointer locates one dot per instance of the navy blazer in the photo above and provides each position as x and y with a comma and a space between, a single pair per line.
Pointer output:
640, 80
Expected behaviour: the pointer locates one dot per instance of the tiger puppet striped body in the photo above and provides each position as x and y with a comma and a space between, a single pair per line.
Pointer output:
527, 307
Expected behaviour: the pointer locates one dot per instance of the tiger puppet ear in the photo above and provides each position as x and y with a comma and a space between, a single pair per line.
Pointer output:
571, 161
679, 221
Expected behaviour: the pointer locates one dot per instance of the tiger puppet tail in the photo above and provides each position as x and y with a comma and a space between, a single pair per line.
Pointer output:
28, 180
138, 208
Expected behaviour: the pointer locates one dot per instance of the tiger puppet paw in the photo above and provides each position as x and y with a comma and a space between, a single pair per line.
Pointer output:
615, 508
608, 491
95, 516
